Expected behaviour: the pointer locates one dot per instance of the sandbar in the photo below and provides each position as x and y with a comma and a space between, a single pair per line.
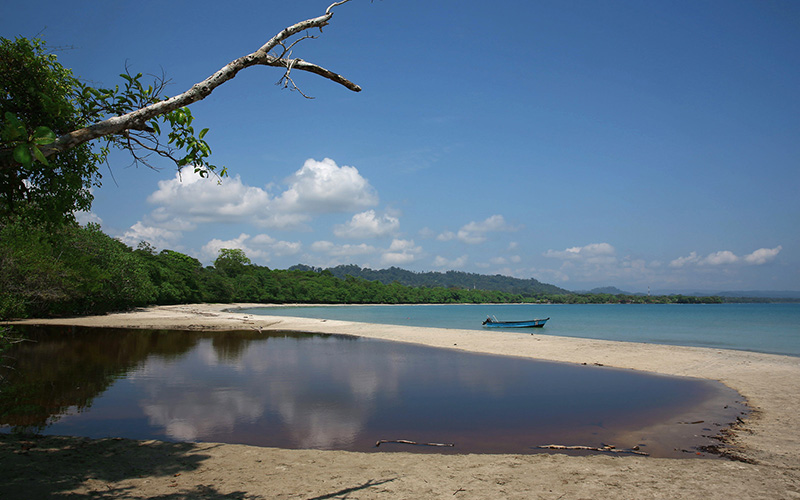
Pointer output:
766, 444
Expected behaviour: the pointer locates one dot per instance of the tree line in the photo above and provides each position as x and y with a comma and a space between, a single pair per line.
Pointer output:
72, 270
448, 279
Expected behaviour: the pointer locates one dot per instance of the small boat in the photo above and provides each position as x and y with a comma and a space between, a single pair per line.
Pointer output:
531, 323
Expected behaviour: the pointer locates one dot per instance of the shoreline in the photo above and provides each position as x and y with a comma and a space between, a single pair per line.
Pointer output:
769, 436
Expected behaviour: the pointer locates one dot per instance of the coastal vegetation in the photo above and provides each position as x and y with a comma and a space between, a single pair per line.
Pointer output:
448, 279
71, 269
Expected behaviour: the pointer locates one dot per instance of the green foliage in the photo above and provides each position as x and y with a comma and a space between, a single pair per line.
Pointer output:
175, 277
80, 270
41, 101
196, 151
68, 270
457, 279
38, 102
231, 262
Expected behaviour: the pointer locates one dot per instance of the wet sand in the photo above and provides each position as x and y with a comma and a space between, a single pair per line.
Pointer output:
767, 443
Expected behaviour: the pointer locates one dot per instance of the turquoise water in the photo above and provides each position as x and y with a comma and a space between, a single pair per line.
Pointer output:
767, 328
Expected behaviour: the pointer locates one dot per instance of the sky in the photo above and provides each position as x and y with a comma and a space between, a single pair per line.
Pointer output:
637, 144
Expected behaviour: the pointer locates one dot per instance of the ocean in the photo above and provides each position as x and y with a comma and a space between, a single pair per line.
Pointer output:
765, 328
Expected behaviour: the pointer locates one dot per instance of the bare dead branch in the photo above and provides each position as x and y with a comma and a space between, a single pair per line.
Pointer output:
199, 91
406, 441
331, 6
605, 448
287, 50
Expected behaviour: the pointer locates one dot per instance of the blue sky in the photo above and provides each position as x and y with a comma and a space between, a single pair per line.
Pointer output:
582, 143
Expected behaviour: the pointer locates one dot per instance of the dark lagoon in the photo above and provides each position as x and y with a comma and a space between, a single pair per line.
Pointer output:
294, 390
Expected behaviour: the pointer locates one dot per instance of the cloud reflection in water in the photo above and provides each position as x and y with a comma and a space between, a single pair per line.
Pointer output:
302, 391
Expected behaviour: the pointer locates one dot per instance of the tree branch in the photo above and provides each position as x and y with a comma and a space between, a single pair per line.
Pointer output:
137, 119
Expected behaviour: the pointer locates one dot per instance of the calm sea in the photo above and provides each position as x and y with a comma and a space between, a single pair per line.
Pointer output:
767, 328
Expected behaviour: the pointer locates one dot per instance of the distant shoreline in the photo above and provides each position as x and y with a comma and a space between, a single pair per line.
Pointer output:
726, 326
769, 438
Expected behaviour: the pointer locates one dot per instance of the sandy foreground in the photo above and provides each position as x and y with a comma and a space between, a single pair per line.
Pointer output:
768, 441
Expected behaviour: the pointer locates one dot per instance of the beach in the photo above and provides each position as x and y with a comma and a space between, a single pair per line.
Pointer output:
766, 445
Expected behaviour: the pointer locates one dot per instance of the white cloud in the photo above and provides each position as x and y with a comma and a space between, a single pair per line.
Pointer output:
721, 258
159, 237
211, 249
258, 248
477, 232
401, 252
208, 200
763, 255
279, 248
456, 263
263, 240
334, 250
493, 223
367, 225
596, 262
726, 257
85, 218
323, 187
692, 258
446, 236
318, 187
200, 200
471, 238
595, 253
322, 246
284, 248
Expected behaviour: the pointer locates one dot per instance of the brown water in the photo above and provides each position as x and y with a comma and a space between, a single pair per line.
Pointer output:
295, 390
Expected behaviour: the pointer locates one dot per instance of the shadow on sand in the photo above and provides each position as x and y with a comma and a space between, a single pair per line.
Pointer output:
64, 467
343, 493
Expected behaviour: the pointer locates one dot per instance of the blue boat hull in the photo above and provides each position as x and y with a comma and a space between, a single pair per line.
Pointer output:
533, 323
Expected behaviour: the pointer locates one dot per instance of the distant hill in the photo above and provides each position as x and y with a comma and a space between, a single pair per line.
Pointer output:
789, 295
449, 279
761, 294
611, 290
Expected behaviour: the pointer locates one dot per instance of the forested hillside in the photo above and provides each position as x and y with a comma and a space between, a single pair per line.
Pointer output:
449, 279
68, 269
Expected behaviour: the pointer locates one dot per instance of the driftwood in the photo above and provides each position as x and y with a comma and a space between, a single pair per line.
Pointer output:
406, 441
606, 448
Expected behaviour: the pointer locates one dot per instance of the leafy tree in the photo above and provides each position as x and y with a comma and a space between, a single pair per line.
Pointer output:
231, 261
175, 276
48, 118
39, 100
67, 270
104, 274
